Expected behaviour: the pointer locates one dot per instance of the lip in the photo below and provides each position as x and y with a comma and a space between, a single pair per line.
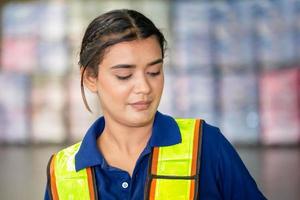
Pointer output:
141, 105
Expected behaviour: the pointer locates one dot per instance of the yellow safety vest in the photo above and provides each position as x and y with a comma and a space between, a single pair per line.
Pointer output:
173, 171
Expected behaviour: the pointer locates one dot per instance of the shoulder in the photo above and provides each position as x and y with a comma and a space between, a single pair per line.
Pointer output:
68, 151
215, 147
211, 132
212, 138
218, 156
66, 154
71, 149
63, 161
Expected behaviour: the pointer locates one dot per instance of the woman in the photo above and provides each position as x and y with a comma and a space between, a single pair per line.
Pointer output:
134, 151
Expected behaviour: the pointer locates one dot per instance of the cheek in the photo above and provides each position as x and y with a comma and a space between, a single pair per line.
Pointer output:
112, 90
158, 85
162, 81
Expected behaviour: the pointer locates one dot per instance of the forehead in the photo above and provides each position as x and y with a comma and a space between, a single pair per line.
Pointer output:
140, 50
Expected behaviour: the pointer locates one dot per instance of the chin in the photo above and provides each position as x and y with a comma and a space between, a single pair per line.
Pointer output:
140, 118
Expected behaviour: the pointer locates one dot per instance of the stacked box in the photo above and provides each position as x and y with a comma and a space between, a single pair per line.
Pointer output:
19, 54
279, 106
75, 31
53, 47
20, 19
295, 4
180, 88
287, 39
225, 32
194, 96
232, 37
19, 38
191, 39
245, 27
52, 21
53, 57
272, 33
79, 119
14, 109
75, 21
48, 104
265, 46
239, 121
201, 98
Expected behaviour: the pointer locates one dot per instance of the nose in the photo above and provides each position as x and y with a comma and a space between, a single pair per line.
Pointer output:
142, 85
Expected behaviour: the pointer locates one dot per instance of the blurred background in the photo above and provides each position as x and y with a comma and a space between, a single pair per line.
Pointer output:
235, 64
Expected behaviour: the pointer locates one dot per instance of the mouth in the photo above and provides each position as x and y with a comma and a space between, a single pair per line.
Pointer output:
141, 105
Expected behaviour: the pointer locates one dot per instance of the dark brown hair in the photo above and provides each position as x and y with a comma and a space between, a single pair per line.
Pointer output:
111, 28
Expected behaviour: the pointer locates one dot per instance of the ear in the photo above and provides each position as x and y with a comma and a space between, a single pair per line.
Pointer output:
89, 79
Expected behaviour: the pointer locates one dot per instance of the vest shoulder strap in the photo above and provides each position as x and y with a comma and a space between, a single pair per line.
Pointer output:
67, 183
174, 170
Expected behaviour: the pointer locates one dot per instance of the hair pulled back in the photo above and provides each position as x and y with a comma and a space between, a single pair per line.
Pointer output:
111, 28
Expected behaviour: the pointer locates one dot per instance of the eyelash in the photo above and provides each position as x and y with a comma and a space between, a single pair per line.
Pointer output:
124, 77
152, 74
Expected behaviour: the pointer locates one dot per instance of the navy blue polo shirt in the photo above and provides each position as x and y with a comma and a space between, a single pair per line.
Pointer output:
222, 173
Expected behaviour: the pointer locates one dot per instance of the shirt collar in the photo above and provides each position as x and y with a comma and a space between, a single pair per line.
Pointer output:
165, 132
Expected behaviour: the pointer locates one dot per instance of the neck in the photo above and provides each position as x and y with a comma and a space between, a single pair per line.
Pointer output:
127, 139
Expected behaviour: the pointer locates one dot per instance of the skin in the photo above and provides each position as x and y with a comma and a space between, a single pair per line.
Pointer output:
129, 86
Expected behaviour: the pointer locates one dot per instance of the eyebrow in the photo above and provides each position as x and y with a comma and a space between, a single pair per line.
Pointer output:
160, 60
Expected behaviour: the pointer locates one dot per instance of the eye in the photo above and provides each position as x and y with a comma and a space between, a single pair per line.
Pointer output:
153, 73
123, 77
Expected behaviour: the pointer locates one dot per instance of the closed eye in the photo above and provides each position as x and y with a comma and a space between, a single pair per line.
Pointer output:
154, 73
123, 77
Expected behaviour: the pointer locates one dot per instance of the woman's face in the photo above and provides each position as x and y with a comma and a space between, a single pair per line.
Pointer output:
130, 81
